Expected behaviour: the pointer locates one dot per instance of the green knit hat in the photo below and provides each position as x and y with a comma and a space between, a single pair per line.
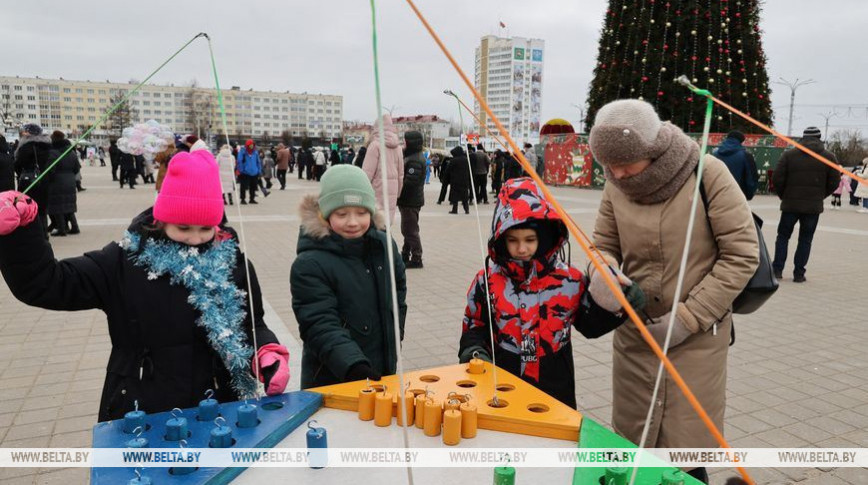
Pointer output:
345, 186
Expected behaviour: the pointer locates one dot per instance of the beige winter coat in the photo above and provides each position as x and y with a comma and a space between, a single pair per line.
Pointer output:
394, 165
648, 241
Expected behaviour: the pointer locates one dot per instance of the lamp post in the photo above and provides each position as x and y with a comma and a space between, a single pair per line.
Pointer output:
827, 116
581, 116
794, 85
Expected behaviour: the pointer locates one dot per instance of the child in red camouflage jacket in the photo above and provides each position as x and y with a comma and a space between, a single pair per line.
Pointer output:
536, 296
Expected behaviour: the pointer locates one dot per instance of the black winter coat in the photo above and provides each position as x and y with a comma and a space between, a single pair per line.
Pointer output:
459, 176
342, 300
7, 169
34, 152
159, 356
128, 162
413, 190
114, 155
62, 196
802, 182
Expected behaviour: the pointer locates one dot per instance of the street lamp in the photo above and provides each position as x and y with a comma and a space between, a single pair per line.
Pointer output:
827, 116
581, 116
793, 86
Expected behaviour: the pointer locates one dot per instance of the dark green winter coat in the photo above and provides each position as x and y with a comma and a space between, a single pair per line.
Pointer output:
341, 297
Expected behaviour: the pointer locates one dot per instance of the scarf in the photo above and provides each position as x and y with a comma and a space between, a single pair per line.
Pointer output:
666, 174
208, 277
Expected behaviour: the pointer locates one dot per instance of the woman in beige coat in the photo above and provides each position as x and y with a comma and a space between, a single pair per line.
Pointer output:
641, 226
394, 165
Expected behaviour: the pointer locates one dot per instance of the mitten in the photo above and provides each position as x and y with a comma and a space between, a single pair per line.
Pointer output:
15, 214
601, 293
273, 368
684, 326
362, 371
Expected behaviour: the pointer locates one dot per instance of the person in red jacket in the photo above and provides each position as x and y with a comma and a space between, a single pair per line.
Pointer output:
536, 296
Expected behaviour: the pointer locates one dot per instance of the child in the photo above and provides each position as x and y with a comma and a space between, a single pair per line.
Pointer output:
843, 186
174, 290
341, 293
536, 295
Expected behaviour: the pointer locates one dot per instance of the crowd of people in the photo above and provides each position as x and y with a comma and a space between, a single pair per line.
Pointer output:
528, 294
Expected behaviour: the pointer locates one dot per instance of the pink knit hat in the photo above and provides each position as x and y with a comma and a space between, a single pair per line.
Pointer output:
191, 193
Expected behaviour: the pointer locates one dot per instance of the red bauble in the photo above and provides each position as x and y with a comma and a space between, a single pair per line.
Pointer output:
644, 79
707, 59
645, 42
665, 47
738, 14
692, 122
693, 57
690, 98
760, 96
659, 93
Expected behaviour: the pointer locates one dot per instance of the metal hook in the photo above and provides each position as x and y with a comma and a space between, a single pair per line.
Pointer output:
138, 431
138, 472
368, 382
219, 418
310, 424
182, 443
180, 413
467, 397
136, 404
475, 354
209, 393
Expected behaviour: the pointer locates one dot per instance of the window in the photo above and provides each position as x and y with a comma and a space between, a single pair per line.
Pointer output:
31, 106
30, 88
90, 91
18, 88
102, 91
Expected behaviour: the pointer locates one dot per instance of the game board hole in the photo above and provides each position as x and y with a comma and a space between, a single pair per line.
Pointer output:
377, 388
466, 384
537, 408
429, 378
505, 387
258, 422
182, 470
501, 403
417, 392
272, 406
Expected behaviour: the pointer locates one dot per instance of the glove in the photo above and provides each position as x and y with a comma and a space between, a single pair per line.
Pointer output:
601, 293
15, 214
467, 354
684, 326
362, 371
273, 368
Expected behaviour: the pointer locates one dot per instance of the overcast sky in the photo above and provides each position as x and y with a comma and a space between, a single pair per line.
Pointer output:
324, 46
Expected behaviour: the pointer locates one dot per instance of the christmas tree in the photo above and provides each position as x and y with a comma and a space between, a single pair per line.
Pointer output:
646, 44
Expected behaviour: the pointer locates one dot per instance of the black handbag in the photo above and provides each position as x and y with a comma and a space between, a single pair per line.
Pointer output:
28, 176
763, 284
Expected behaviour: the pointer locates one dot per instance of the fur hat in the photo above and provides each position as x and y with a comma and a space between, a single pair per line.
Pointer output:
191, 193
32, 129
626, 131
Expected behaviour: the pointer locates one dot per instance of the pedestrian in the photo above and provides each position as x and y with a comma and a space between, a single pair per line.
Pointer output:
443, 174
497, 171
360, 157
740, 162
843, 186
412, 199
62, 197
650, 168
268, 170
172, 290
861, 189
534, 161
226, 162
340, 283
319, 161
128, 169
802, 183
249, 167
428, 168
854, 184
351, 156
334, 158
7, 167
459, 180
114, 158
284, 154
534, 294
293, 154
101, 154
32, 158
305, 160
481, 163
394, 165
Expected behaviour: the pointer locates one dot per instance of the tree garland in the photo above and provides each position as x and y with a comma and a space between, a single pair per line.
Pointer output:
212, 292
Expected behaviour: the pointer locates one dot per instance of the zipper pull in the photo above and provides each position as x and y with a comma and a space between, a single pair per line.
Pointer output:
714, 329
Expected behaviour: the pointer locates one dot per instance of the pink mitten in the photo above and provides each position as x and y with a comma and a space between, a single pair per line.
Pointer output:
273, 368
15, 214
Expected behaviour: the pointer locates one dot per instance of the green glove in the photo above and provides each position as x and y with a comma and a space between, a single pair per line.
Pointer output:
635, 296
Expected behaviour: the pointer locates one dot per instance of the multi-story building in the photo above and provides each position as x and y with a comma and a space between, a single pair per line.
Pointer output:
357, 134
73, 106
434, 129
509, 73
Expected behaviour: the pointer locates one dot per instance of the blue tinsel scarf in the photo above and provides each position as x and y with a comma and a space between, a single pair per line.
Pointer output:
208, 277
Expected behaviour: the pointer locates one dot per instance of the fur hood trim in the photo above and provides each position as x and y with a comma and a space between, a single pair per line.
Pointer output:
313, 224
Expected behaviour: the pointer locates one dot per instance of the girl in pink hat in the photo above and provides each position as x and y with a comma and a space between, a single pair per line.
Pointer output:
174, 290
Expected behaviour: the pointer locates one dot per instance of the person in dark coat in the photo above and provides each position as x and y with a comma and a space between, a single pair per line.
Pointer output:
481, 163
740, 162
32, 158
802, 183
128, 169
497, 170
443, 174
62, 193
360, 157
114, 159
459, 180
339, 283
334, 158
305, 160
173, 336
412, 198
7, 167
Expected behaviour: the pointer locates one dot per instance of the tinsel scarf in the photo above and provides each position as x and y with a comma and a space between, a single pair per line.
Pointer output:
208, 277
